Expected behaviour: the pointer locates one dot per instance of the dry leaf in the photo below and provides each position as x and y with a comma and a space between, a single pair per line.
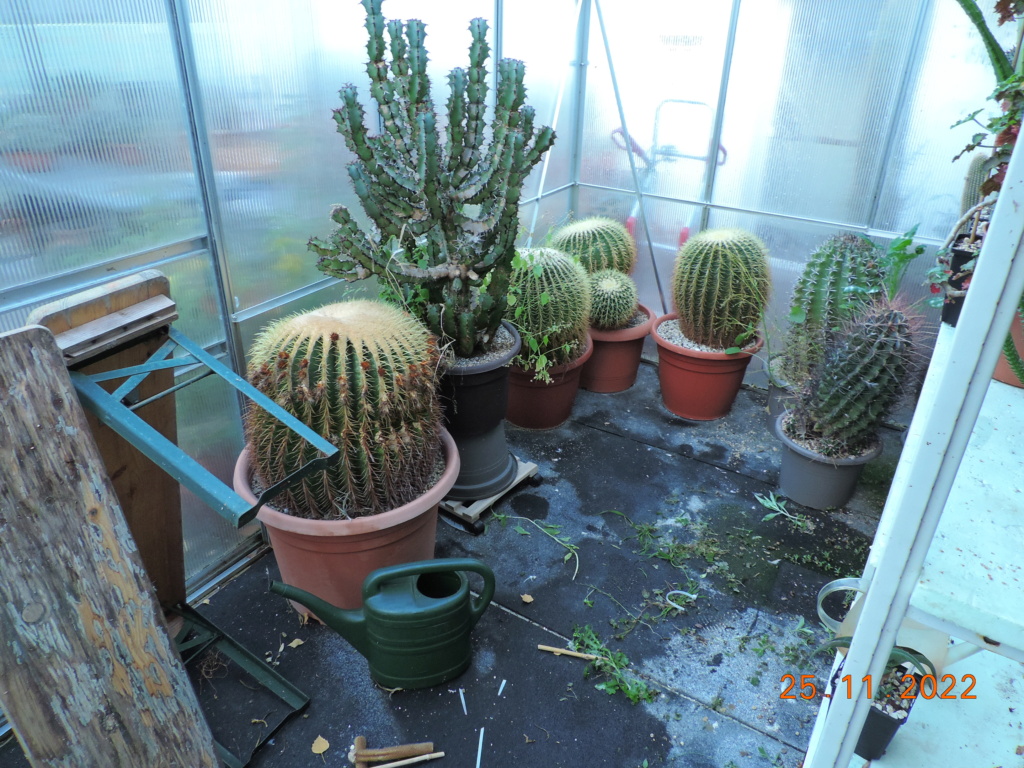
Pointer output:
527, 598
1020, 749
295, 643
320, 746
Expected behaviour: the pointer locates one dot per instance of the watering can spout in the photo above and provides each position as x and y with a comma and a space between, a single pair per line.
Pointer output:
350, 624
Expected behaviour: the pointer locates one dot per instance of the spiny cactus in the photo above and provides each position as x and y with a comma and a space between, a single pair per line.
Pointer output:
720, 286
842, 275
613, 299
857, 382
445, 213
362, 373
977, 173
598, 242
549, 302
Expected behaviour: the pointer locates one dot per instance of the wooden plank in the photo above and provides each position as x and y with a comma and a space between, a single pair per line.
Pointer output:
89, 677
97, 336
472, 512
149, 497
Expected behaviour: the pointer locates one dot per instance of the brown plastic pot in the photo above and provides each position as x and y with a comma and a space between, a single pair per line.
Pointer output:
810, 479
332, 558
545, 405
616, 359
699, 385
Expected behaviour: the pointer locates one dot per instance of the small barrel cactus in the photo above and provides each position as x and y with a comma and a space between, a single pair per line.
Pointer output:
720, 287
613, 299
841, 276
362, 373
549, 302
858, 381
599, 243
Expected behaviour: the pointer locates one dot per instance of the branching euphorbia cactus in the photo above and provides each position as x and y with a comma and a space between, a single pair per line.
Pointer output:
445, 212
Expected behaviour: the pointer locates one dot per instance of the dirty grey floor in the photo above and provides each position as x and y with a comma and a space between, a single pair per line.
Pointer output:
633, 502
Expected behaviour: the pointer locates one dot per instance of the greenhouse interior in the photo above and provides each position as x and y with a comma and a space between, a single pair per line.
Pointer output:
563, 383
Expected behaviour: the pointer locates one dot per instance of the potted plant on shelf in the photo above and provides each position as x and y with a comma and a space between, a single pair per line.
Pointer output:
598, 242
618, 326
892, 697
831, 431
720, 289
363, 374
549, 302
443, 197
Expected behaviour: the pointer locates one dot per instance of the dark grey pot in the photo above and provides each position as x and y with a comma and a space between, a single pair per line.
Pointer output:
815, 481
474, 396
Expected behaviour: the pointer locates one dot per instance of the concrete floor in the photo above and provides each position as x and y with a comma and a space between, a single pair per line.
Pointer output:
647, 502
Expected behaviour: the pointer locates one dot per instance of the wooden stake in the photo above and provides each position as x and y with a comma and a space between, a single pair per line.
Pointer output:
567, 652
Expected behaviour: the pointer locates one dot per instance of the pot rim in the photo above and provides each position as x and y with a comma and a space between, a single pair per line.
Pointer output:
558, 370
798, 449
354, 526
467, 366
668, 346
626, 334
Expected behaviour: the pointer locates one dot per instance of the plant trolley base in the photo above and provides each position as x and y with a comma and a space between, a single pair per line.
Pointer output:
468, 514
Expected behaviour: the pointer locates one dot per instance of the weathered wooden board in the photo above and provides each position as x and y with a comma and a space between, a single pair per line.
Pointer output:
149, 497
87, 675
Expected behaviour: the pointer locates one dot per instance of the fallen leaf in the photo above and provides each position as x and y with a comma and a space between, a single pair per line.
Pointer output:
295, 643
257, 721
1020, 749
527, 598
321, 745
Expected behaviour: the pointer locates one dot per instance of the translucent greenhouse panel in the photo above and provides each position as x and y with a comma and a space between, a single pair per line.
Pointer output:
94, 148
538, 218
954, 78
812, 91
668, 70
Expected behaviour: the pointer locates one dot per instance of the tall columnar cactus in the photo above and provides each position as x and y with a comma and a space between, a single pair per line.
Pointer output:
444, 213
720, 287
857, 382
549, 302
613, 299
977, 173
362, 373
598, 242
842, 275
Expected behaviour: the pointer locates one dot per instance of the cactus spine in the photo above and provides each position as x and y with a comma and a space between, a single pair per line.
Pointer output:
720, 286
842, 275
613, 299
445, 213
550, 303
858, 381
362, 373
599, 243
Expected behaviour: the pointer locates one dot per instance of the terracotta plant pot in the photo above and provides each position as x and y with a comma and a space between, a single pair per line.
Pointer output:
810, 479
1004, 372
699, 385
616, 359
539, 405
332, 558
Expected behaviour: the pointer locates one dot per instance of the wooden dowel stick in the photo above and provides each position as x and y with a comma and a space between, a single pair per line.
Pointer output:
411, 760
566, 652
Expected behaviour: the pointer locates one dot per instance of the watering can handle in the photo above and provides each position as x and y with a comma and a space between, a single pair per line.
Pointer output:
445, 565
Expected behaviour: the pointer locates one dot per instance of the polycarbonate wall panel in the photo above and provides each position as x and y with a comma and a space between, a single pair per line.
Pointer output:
954, 77
812, 92
668, 70
94, 149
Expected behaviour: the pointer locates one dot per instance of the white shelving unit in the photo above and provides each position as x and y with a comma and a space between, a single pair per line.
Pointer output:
949, 551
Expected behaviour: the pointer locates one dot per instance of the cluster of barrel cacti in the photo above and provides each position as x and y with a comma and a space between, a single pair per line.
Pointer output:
613, 299
598, 242
840, 277
445, 212
549, 303
362, 373
861, 376
720, 287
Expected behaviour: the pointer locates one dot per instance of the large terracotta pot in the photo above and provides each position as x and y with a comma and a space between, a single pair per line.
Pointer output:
699, 385
539, 405
1004, 372
332, 558
616, 359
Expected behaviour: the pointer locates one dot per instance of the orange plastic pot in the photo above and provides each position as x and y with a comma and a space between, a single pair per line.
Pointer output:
332, 558
616, 359
699, 385
545, 405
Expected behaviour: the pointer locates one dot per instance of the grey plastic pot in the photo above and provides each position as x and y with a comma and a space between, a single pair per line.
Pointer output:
810, 479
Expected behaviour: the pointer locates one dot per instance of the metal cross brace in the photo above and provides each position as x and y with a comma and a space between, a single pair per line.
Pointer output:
113, 410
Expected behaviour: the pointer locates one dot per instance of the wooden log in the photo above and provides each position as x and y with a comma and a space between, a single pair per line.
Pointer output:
87, 676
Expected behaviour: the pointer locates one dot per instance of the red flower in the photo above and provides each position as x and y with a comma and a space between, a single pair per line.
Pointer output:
935, 288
